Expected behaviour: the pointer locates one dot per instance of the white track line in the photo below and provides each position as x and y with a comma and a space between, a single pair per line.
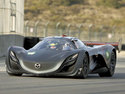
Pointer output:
2, 69
120, 66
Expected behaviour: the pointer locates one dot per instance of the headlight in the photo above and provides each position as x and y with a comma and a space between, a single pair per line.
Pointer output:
13, 56
12, 53
71, 60
73, 57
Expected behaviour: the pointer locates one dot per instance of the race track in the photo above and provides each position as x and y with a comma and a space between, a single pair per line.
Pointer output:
28, 84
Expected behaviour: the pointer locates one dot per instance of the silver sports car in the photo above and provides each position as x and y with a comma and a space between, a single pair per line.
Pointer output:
62, 56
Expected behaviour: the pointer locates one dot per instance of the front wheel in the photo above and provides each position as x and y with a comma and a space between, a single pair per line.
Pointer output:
111, 69
85, 67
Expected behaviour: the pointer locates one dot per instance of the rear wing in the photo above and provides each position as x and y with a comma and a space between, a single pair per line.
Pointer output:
117, 45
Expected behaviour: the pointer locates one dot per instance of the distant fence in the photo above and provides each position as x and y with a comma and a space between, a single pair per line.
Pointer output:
81, 31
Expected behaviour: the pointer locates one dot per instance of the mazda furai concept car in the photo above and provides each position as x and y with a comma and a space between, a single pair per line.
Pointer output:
62, 56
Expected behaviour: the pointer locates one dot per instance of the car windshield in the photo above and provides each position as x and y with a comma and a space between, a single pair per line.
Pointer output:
54, 44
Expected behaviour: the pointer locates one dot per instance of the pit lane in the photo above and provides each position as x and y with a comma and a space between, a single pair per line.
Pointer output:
28, 84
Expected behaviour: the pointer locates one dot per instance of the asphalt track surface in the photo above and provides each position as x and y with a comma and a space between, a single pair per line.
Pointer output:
29, 84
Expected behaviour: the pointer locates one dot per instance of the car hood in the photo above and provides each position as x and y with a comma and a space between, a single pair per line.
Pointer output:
48, 60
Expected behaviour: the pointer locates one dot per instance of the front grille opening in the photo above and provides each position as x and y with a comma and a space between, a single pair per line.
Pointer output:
14, 65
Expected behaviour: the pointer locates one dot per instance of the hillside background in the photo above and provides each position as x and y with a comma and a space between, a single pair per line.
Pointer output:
106, 12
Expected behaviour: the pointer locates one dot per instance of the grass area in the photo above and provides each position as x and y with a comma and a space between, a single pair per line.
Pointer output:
99, 12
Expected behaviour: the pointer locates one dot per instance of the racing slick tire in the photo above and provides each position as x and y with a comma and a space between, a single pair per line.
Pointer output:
111, 69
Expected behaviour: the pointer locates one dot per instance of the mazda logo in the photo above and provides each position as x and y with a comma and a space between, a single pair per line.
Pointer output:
37, 66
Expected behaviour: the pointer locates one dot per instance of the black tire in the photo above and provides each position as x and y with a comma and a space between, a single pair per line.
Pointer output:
85, 67
111, 69
12, 74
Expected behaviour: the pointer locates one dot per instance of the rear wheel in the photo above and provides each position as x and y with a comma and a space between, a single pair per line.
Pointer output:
12, 74
85, 67
111, 69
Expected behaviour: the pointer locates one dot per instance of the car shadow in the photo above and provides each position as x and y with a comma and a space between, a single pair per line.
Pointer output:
115, 76
90, 76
